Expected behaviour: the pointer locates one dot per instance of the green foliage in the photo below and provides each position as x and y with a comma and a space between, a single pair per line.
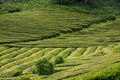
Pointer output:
90, 3
102, 5
65, 2
55, 24
34, 71
44, 67
14, 9
1, 1
59, 60
18, 73
111, 73
23, 78
8, 7
16, 0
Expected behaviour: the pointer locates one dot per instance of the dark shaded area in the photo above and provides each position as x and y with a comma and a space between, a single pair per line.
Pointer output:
90, 3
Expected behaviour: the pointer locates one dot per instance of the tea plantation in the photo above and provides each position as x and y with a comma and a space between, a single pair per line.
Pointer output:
42, 24
40, 40
97, 34
79, 63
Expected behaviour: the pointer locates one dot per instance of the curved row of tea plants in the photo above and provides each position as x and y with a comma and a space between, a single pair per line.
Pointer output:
98, 34
23, 60
41, 24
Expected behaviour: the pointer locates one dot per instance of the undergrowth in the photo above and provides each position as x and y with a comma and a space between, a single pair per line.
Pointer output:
92, 7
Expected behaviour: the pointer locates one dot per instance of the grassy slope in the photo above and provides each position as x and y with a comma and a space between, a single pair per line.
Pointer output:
106, 8
94, 60
107, 68
32, 23
98, 34
40, 24
88, 63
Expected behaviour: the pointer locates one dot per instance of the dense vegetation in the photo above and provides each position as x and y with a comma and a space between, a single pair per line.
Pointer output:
85, 6
24, 22
44, 67
59, 40
93, 63
91, 3
97, 34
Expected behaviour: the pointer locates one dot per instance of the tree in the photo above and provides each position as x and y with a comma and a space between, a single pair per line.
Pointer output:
44, 67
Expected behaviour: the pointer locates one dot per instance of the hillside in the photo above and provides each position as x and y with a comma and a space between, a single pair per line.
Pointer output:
95, 62
79, 38
82, 6
96, 34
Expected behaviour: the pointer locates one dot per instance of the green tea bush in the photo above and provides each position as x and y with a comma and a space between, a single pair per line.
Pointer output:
59, 60
93, 3
1, 2
34, 71
0, 7
17, 73
14, 9
44, 67
114, 76
110, 73
89, 3
16, 0
68, 2
64, 2
23, 78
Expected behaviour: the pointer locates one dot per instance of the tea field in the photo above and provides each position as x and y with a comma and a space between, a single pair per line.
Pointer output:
35, 25
89, 44
104, 33
79, 63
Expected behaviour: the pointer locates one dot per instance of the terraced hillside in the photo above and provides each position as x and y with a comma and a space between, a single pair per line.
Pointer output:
88, 43
41, 24
80, 62
97, 34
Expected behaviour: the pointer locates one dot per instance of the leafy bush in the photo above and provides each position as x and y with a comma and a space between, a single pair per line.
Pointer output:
34, 71
65, 2
90, 3
17, 73
112, 72
23, 78
59, 60
1, 2
44, 67
16, 0
14, 9
0, 7
114, 76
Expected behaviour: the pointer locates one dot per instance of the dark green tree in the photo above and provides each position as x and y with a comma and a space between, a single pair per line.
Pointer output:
44, 67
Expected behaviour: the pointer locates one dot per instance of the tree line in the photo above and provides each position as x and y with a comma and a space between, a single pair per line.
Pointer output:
91, 3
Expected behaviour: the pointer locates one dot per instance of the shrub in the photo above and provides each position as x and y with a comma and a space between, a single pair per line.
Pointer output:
44, 67
23, 78
1, 2
34, 71
16, 0
17, 73
90, 3
14, 9
64, 2
59, 60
